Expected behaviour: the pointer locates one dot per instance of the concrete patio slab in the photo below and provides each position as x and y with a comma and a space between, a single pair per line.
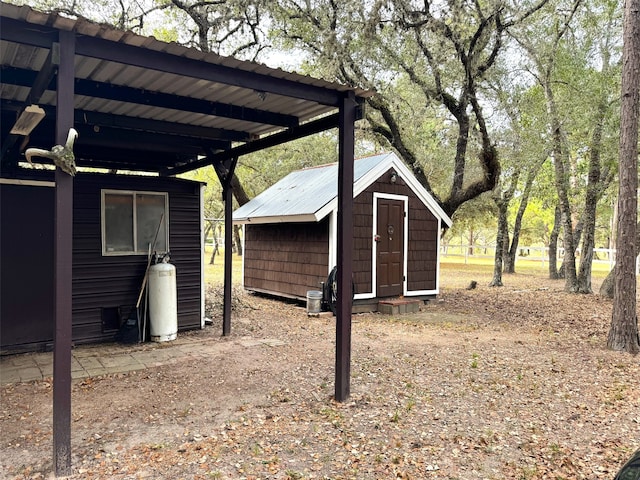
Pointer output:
96, 360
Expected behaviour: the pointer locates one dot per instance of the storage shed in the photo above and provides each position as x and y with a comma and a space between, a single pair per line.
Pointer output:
290, 238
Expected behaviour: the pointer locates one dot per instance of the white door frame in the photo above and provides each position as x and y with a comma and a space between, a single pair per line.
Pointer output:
374, 250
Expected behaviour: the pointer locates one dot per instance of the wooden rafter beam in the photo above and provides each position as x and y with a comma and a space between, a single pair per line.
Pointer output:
128, 160
304, 130
45, 76
145, 141
158, 126
87, 117
115, 138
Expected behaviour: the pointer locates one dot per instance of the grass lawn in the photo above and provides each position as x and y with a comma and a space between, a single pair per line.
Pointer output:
215, 273
455, 270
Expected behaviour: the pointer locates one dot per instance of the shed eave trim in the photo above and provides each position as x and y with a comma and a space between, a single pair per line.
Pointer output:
305, 218
329, 208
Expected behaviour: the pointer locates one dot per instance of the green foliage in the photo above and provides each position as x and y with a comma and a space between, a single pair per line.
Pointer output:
429, 66
419, 57
165, 33
122, 15
427, 128
213, 205
475, 220
537, 223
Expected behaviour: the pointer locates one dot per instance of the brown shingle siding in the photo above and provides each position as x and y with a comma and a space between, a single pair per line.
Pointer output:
287, 258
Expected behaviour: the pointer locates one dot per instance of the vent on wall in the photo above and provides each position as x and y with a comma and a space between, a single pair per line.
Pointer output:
114, 317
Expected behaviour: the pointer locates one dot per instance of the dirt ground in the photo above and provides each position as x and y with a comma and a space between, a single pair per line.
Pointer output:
491, 383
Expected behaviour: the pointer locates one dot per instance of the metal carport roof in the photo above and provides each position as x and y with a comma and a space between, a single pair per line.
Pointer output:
146, 105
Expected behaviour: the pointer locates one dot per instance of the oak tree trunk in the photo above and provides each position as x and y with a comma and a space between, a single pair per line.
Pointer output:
211, 227
591, 202
562, 172
501, 234
242, 198
505, 248
237, 240
553, 245
608, 285
216, 245
207, 230
569, 258
512, 251
510, 256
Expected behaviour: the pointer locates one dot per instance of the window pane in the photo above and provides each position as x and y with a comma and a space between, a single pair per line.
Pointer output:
149, 210
118, 222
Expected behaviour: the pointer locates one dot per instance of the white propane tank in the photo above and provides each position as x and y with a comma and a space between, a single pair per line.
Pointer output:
163, 302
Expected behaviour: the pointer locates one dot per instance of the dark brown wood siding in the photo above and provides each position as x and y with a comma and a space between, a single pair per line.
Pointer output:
26, 265
111, 283
422, 255
286, 258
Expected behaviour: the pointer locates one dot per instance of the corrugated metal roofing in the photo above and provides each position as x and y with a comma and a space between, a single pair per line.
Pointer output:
28, 55
311, 193
86, 27
301, 193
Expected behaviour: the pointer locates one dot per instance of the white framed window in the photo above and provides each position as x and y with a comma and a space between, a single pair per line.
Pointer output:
130, 220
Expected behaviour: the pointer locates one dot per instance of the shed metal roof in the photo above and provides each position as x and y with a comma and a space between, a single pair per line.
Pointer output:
310, 194
144, 104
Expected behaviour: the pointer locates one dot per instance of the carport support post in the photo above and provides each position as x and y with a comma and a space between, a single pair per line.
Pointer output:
63, 246
345, 246
225, 171
228, 255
